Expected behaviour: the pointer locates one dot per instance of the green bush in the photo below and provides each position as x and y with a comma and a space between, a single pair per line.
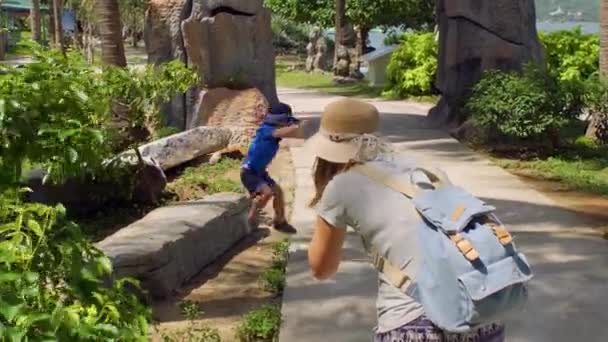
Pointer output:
571, 54
274, 278
413, 66
52, 281
289, 37
527, 106
142, 91
261, 324
57, 111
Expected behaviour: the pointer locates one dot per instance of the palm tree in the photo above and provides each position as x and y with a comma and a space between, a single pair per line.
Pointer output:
35, 21
58, 27
595, 123
110, 30
340, 15
604, 38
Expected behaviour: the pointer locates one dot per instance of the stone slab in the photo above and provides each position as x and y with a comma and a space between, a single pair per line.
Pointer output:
172, 244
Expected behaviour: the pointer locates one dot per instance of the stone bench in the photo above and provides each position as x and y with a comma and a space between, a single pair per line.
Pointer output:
171, 245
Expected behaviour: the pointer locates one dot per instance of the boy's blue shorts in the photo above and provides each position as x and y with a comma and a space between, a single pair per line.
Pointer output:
254, 181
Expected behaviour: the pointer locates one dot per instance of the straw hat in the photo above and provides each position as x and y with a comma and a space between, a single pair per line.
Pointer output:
343, 125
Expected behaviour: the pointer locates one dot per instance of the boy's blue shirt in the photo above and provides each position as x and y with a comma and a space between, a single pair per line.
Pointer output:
263, 149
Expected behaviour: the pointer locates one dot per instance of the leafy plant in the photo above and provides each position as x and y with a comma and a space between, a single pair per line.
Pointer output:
139, 93
261, 324
363, 13
190, 309
289, 37
274, 278
52, 281
413, 66
52, 112
193, 332
571, 54
531, 105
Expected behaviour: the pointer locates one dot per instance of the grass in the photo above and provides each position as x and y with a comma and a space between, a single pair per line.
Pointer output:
207, 179
274, 278
261, 324
581, 166
323, 83
193, 332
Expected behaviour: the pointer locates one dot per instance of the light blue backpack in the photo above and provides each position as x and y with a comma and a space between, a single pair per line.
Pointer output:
470, 271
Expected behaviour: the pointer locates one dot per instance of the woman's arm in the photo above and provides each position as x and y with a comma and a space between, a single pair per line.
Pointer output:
325, 249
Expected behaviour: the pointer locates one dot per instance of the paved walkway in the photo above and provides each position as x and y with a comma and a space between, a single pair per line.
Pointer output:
569, 296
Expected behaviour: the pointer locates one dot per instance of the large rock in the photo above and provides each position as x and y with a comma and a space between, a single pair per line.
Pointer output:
179, 148
475, 36
241, 110
229, 41
171, 245
232, 46
319, 57
164, 43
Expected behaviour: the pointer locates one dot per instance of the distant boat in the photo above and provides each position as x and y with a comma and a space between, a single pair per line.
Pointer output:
557, 12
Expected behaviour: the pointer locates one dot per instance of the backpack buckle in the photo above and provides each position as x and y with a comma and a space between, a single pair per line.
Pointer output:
502, 234
378, 261
465, 247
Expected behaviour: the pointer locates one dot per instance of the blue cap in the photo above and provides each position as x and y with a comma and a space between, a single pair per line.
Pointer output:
280, 114
280, 108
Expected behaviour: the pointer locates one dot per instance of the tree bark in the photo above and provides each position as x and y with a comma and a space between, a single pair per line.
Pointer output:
35, 21
58, 27
110, 29
340, 16
134, 38
361, 46
50, 29
595, 123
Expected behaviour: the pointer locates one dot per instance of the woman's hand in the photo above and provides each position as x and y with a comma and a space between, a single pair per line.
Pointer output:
325, 251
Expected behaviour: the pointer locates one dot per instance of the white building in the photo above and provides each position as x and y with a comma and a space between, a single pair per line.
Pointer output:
377, 62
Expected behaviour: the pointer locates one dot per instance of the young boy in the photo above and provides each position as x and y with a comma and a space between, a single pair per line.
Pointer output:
279, 123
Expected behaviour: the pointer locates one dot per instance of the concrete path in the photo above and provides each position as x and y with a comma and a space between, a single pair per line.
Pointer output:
569, 295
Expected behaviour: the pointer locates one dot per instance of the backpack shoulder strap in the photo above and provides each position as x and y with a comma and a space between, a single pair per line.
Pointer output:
395, 275
409, 190
386, 179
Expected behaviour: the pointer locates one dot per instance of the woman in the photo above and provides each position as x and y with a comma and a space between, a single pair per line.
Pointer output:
380, 215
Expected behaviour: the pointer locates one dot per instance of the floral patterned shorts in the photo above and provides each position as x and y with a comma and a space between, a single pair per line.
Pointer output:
423, 330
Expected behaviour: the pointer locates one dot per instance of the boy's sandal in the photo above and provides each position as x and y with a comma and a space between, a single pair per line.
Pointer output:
284, 227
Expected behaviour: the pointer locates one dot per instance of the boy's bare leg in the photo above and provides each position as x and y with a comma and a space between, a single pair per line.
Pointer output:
278, 203
259, 202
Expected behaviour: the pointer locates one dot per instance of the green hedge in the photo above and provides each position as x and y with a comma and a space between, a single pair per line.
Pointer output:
528, 106
571, 55
413, 66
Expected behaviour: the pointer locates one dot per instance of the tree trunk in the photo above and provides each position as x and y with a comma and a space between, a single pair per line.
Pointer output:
35, 21
134, 38
51, 27
361, 46
58, 28
595, 121
340, 16
88, 43
110, 30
